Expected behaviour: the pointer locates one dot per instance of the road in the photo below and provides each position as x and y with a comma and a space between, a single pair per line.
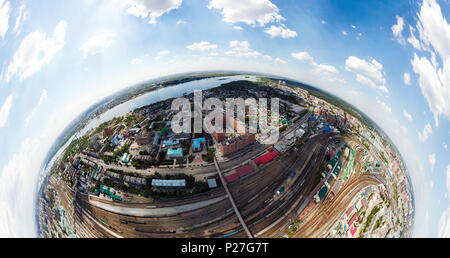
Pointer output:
212, 214
252, 194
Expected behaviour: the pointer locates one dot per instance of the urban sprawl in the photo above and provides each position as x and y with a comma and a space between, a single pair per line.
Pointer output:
330, 174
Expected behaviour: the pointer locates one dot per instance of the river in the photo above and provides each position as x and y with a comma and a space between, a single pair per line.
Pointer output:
174, 91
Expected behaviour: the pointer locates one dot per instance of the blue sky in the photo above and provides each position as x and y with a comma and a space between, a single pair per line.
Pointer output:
389, 58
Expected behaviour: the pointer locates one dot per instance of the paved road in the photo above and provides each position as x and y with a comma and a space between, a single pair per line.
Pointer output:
161, 212
251, 195
236, 210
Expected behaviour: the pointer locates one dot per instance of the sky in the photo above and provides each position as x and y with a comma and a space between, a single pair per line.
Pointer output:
391, 59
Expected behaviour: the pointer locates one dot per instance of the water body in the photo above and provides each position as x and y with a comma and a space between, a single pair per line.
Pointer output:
174, 91
151, 97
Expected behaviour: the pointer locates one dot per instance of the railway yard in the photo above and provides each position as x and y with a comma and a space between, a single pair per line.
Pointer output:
327, 176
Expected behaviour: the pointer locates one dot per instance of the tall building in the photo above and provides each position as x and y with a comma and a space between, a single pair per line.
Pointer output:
108, 131
143, 138
234, 144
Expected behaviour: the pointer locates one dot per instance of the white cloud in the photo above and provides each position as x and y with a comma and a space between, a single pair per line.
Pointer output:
5, 109
407, 78
444, 223
240, 45
323, 22
434, 79
384, 106
359, 36
353, 26
21, 17
237, 28
445, 147
137, 60
448, 179
407, 115
413, 40
5, 11
151, 8
17, 189
181, 22
344, 33
35, 51
164, 52
427, 131
368, 72
202, 46
303, 56
322, 68
432, 160
280, 31
432, 87
97, 44
241, 48
397, 30
43, 97
251, 12
281, 61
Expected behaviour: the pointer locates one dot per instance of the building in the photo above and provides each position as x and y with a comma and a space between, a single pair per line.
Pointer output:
138, 181
93, 143
115, 140
349, 212
182, 136
170, 142
331, 119
156, 140
143, 138
62, 166
212, 183
352, 219
197, 144
169, 183
125, 158
266, 157
175, 154
108, 131
299, 133
227, 147
134, 131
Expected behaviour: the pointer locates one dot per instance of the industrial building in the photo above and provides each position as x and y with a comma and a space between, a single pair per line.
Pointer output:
169, 183
175, 153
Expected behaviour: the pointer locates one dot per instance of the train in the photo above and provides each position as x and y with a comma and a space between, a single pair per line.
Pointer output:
230, 234
133, 222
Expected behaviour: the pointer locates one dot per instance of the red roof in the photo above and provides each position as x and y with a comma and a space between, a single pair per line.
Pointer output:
349, 211
353, 231
266, 157
232, 177
245, 170
271, 149
350, 222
